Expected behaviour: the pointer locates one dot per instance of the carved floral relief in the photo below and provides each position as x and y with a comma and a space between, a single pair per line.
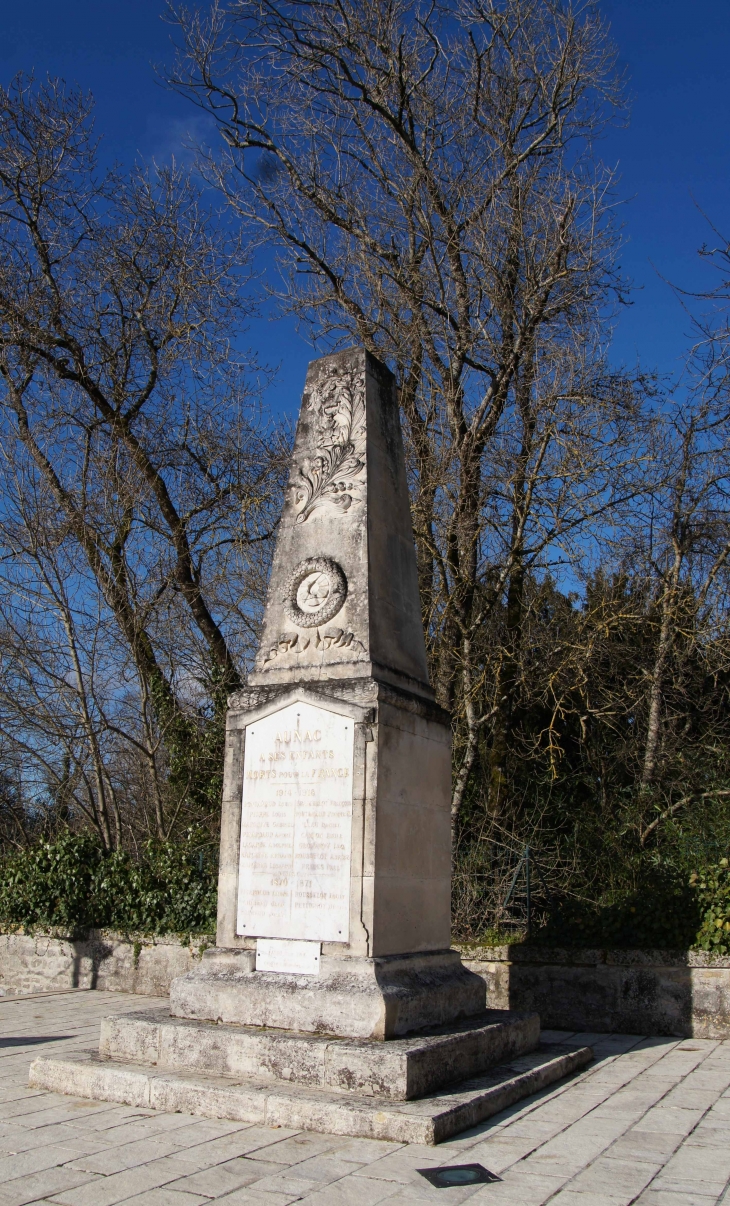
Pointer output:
330, 477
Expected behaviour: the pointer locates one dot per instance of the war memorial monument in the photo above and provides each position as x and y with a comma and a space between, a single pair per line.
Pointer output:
332, 1000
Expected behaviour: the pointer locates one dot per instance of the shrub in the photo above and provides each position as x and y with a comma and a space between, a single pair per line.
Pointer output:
713, 891
662, 912
71, 883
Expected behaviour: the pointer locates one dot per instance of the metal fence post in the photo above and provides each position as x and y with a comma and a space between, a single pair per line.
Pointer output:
527, 892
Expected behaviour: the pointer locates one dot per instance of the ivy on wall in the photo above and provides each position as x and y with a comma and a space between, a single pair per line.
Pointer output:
713, 892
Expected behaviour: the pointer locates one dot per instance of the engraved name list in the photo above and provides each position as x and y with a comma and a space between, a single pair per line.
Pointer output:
296, 826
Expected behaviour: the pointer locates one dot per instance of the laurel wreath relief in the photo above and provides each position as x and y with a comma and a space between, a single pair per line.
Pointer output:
328, 477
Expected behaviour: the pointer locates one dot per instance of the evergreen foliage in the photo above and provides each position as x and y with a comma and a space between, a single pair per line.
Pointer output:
713, 889
74, 884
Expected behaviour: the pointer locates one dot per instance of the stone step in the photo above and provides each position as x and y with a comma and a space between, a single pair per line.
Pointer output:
430, 1120
398, 1070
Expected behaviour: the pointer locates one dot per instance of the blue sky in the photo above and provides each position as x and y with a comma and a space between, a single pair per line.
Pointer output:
673, 158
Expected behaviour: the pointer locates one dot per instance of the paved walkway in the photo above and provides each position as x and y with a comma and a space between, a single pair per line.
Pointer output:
649, 1122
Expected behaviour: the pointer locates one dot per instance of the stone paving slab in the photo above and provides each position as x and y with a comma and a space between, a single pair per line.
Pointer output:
648, 1124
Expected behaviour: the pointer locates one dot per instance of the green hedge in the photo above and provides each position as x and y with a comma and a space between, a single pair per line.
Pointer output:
172, 888
658, 916
665, 911
72, 883
713, 892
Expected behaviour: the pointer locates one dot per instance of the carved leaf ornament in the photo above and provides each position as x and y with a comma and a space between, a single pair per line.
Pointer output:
317, 589
328, 478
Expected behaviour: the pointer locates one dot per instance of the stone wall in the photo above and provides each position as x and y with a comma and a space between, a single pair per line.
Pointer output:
631, 992
634, 992
44, 963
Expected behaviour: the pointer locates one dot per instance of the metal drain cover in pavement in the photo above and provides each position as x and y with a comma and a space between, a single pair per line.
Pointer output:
458, 1174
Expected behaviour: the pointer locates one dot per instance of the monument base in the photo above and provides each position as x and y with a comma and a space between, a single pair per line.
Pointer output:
379, 998
275, 1101
399, 1070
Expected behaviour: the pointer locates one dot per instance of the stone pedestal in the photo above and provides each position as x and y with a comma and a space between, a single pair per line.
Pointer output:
380, 998
387, 862
332, 989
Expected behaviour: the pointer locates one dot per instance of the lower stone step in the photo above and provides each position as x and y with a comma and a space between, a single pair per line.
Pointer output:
430, 1120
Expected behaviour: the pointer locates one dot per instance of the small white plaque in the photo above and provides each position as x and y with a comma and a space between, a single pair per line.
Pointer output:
296, 826
286, 955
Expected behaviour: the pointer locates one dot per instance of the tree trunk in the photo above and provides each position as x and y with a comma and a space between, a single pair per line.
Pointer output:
661, 660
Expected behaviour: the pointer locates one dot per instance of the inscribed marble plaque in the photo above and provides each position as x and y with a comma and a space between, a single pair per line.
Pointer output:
289, 955
296, 826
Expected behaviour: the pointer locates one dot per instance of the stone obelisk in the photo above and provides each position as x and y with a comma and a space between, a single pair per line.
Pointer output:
333, 904
335, 849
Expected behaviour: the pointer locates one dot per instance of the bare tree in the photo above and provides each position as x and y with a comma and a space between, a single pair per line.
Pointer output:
428, 175
123, 395
687, 542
